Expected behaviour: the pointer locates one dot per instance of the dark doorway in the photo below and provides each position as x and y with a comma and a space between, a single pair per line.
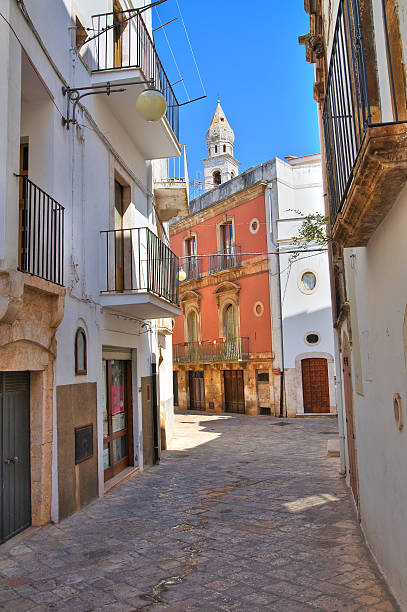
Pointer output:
117, 417
15, 453
315, 386
175, 386
234, 391
196, 390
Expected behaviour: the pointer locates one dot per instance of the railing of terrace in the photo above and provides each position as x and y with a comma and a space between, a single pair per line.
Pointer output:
122, 40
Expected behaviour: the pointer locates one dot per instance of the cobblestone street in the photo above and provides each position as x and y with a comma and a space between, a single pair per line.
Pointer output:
242, 514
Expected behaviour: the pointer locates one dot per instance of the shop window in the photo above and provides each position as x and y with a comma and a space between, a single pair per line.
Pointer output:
81, 366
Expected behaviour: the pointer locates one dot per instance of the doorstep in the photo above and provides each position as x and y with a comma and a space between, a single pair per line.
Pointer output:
316, 415
120, 478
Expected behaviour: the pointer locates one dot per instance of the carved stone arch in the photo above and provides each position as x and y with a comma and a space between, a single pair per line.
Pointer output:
227, 293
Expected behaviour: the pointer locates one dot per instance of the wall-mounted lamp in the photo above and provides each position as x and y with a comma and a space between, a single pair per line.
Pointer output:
150, 104
182, 275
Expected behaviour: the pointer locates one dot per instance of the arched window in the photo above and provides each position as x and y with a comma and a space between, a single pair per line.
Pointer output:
232, 175
229, 322
217, 179
192, 326
224, 148
81, 359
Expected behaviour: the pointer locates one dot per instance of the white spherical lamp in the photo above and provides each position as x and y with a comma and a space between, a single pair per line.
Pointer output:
151, 105
181, 275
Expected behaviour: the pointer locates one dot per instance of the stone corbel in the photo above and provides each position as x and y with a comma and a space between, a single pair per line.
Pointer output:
11, 295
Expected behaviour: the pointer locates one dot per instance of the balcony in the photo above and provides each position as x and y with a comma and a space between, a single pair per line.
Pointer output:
171, 191
123, 52
140, 274
225, 259
41, 233
211, 351
364, 119
192, 267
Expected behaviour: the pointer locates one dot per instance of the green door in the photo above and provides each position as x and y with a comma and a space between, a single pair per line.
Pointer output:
15, 504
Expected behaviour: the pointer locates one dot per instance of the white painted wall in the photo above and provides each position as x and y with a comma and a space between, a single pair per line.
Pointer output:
76, 167
298, 187
380, 299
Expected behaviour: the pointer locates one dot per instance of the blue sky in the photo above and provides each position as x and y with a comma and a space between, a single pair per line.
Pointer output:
248, 53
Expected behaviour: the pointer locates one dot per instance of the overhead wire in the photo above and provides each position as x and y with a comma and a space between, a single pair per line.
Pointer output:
173, 55
190, 47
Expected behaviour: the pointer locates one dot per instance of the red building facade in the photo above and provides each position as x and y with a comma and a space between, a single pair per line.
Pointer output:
223, 353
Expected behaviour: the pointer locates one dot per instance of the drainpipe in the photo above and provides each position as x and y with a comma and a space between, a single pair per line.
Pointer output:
278, 270
154, 402
339, 403
282, 383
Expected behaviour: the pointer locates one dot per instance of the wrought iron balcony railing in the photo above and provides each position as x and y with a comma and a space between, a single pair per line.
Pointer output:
355, 100
122, 41
41, 234
192, 267
137, 261
207, 351
225, 259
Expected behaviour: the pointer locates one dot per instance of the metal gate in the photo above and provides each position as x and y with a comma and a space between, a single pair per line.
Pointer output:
15, 510
234, 391
196, 390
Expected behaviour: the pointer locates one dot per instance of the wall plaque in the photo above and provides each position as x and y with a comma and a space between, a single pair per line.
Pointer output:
83, 443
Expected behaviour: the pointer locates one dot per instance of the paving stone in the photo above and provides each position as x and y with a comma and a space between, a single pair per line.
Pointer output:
209, 529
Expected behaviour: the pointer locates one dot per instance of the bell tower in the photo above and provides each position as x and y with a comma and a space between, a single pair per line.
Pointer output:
220, 165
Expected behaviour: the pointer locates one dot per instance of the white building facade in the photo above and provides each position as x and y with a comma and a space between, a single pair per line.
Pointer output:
300, 286
88, 282
363, 136
220, 166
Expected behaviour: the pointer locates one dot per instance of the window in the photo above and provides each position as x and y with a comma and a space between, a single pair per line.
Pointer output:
262, 376
254, 226
224, 148
192, 326
222, 118
81, 34
217, 178
229, 322
312, 338
258, 309
81, 366
232, 175
216, 148
226, 236
308, 282
190, 246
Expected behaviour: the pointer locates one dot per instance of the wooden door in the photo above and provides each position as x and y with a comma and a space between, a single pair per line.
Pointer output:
234, 391
117, 417
119, 24
350, 423
148, 419
315, 385
196, 390
15, 508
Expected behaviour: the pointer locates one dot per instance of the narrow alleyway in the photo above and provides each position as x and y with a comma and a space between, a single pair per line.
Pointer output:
242, 514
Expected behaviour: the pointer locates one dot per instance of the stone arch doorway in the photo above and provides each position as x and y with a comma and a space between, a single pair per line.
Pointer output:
350, 422
315, 385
